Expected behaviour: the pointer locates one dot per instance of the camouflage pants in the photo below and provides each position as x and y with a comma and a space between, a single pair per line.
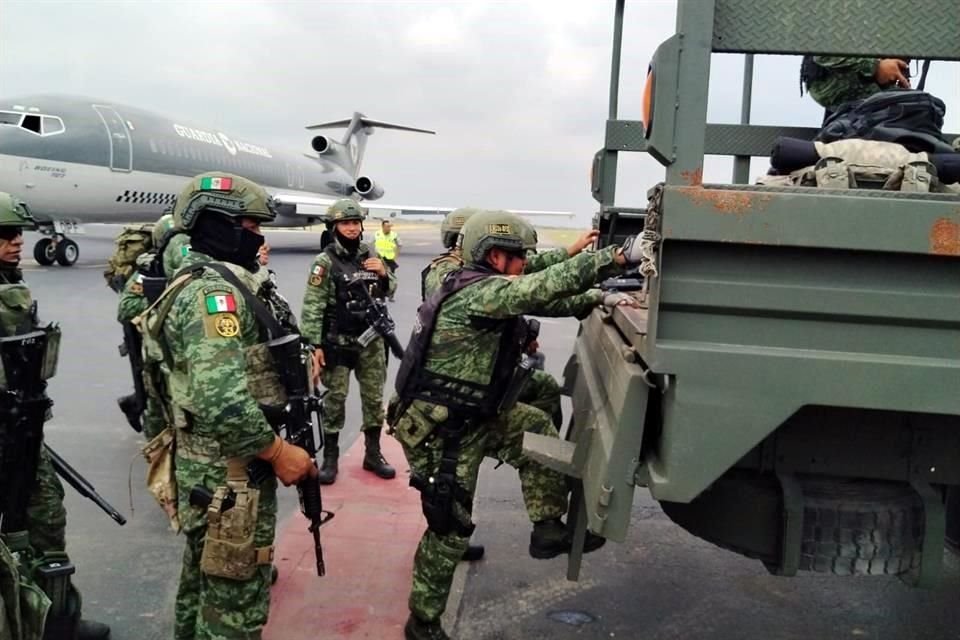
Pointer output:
208, 607
371, 374
544, 490
46, 515
543, 392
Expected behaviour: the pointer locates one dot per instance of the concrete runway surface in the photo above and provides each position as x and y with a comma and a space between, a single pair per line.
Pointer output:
661, 584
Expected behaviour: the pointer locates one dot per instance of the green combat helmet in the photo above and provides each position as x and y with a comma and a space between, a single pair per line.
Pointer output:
160, 229
224, 193
14, 212
345, 209
452, 223
494, 229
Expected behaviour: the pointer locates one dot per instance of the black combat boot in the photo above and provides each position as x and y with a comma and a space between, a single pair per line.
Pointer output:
417, 629
372, 458
90, 630
550, 538
331, 453
473, 553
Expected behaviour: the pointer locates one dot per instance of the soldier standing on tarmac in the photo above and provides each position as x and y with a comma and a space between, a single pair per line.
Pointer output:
44, 541
332, 320
455, 407
210, 340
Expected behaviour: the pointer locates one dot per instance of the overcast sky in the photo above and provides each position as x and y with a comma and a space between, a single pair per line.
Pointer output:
517, 91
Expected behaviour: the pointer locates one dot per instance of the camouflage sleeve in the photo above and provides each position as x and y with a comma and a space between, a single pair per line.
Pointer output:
315, 300
861, 66
132, 301
217, 391
509, 296
579, 306
543, 259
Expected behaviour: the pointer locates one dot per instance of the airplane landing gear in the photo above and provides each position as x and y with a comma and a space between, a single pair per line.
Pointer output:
58, 248
55, 246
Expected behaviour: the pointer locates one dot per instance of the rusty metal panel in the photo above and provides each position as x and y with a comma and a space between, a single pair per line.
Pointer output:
902, 29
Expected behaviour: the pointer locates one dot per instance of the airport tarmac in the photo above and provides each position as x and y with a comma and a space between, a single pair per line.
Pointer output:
661, 584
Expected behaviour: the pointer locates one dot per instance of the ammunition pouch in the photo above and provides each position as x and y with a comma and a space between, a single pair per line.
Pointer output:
228, 546
25, 353
441, 495
25, 605
518, 381
338, 355
161, 476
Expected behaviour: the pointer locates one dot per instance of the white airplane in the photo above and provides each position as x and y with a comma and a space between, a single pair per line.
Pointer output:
75, 160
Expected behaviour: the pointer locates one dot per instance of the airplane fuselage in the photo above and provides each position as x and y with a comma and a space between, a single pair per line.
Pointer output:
98, 161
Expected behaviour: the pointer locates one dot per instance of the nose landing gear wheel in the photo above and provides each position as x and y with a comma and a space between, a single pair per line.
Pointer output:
67, 252
45, 252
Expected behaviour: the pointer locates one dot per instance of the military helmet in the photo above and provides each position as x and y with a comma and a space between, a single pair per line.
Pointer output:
529, 234
494, 229
223, 193
160, 229
452, 223
14, 212
345, 209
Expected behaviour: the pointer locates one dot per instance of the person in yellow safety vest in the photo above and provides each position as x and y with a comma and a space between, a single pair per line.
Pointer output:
388, 246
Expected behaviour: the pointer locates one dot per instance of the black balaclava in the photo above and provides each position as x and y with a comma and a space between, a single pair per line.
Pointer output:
352, 246
10, 272
223, 238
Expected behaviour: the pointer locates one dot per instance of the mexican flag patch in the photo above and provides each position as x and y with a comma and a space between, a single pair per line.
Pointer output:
221, 303
216, 184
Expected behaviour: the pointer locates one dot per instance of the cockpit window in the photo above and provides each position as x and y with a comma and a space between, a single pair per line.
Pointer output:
41, 125
52, 125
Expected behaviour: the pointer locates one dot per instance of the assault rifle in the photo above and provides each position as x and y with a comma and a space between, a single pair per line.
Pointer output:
294, 422
82, 485
134, 404
377, 317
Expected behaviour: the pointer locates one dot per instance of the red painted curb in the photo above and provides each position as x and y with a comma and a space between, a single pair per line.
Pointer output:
368, 548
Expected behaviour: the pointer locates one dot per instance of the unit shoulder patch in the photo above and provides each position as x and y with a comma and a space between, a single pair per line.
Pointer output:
316, 275
226, 325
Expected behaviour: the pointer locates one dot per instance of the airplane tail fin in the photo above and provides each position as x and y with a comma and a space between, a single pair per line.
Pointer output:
359, 126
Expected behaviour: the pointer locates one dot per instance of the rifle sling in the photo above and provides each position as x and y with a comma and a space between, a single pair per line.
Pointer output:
270, 328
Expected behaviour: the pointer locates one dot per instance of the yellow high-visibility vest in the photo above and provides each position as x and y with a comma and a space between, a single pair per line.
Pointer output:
386, 244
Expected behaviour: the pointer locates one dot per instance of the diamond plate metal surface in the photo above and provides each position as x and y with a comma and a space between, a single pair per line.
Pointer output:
749, 140
914, 29
625, 135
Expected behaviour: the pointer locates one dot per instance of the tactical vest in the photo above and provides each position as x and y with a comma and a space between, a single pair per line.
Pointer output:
349, 316
415, 382
168, 383
17, 314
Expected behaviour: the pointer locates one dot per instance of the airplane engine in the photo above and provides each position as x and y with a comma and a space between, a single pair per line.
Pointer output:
367, 188
322, 145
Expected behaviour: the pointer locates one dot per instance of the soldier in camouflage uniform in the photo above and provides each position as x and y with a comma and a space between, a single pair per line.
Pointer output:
206, 335
834, 80
332, 320
46, 515
458, 368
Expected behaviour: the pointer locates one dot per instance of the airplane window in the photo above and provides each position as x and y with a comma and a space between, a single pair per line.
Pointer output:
52, 125
31, 123
10, 117
153, 145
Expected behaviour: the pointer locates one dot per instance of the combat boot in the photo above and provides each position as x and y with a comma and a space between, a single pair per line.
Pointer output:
473, 553
550, 538
90, 630
331, 455
417, 629
373, 460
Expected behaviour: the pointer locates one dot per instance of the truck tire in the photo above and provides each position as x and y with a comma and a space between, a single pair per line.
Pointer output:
860, 527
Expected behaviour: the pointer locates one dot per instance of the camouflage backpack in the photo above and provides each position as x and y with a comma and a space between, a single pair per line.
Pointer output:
133, 240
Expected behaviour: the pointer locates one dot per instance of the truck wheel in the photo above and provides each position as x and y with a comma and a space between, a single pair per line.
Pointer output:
858, 527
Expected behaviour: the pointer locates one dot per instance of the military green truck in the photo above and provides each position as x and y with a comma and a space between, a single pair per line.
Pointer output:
790, 387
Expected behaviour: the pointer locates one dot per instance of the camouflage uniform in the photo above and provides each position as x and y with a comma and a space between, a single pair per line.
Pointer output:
202, 332
460, 350
843, 79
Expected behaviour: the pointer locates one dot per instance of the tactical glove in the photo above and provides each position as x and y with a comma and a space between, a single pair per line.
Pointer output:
290, 463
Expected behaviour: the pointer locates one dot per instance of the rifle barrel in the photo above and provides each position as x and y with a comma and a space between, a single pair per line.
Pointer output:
82, 485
